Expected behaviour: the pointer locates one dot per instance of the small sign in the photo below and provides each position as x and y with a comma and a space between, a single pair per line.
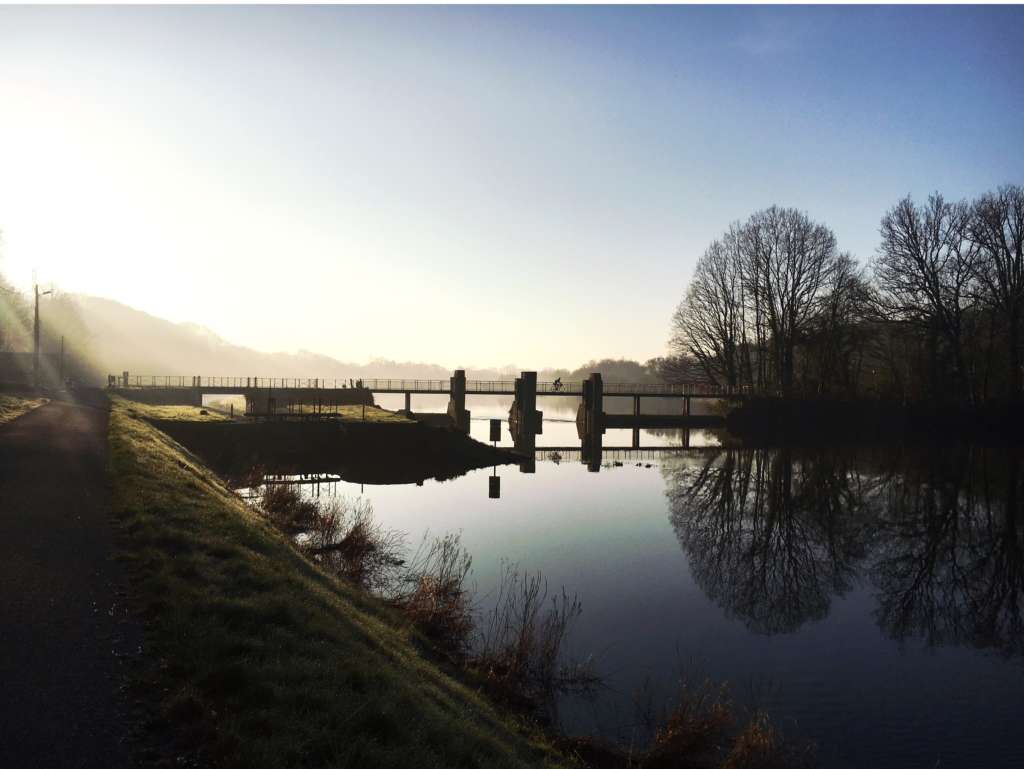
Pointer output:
495, 430
494, 487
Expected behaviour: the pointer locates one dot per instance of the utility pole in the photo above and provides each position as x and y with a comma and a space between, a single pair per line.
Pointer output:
35, 336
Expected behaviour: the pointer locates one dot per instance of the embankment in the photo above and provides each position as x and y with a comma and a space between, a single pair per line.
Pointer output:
262, 660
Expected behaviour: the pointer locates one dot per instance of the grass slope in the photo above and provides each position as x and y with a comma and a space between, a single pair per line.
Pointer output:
368, 414
266, 661
219, 413
13, 406
171, 413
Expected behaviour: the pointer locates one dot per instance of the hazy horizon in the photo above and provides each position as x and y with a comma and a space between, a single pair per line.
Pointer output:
106, 334
472, 186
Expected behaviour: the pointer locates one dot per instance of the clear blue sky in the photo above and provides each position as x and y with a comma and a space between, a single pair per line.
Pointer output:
472, 186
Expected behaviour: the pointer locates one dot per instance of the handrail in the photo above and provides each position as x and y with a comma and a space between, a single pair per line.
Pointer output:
440, 386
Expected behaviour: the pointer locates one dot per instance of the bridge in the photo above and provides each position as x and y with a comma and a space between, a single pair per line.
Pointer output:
265, 396
244, 385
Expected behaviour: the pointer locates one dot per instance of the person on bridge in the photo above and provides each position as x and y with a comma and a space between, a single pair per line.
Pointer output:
557, 385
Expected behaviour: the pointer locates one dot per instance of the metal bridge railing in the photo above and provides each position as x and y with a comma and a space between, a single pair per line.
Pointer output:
440, 386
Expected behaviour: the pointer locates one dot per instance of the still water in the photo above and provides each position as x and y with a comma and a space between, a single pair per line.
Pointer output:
870, 599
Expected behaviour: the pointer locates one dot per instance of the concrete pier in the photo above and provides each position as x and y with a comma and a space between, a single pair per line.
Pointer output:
524, 421
590, 417
590, 420
457, 401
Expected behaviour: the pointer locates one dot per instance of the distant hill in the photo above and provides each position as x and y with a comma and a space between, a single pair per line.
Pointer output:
122, 338
108, 337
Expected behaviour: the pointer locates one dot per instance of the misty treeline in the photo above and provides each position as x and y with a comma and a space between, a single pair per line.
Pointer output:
774, 306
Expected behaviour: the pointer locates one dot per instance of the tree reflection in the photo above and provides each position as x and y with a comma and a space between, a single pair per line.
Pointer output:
771, 538
949, 568
772, 535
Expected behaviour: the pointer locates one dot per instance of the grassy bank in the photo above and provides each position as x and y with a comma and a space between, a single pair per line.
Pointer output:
266, 661
169, 413
359, 414
13, 406
218, 413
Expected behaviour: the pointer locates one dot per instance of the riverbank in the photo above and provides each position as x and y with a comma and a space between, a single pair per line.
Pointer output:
262, 659
760, 420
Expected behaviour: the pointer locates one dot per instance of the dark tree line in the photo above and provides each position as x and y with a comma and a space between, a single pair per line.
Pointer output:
774, 306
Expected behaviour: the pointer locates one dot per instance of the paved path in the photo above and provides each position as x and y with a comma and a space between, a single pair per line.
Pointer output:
60, 618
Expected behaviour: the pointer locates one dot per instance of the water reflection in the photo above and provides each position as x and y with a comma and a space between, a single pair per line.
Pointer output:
871, 587
949, 565
770, 539
774, 535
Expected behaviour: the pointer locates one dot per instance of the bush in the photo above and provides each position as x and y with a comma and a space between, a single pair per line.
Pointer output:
436, 599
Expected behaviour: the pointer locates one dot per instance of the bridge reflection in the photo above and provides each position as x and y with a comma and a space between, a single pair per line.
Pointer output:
597, 456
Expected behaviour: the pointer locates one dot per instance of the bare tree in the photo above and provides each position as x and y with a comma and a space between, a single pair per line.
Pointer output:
997, 230
789, 261
838, 346
754, 296
707, 325
773, 304
924, 269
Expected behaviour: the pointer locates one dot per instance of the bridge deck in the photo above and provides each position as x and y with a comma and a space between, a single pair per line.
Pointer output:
245, 385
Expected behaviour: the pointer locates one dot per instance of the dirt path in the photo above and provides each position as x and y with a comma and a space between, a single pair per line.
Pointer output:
62, 625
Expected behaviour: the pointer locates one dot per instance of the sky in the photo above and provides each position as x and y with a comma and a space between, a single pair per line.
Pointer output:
472, 186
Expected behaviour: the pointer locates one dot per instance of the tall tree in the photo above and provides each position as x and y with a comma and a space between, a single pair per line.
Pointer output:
925, 268
789, 262
997, 229
754, 297
707, 325
838, 346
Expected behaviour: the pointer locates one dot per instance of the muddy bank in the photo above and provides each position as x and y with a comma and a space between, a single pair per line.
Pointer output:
359, 452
